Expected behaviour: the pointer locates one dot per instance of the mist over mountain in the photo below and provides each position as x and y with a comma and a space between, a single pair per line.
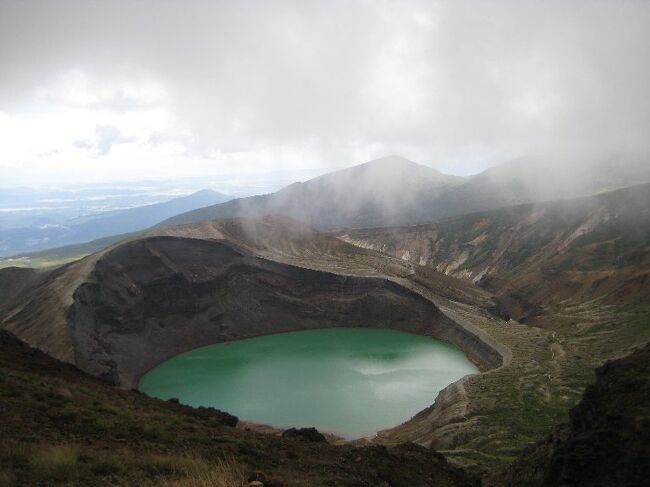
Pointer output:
395, 191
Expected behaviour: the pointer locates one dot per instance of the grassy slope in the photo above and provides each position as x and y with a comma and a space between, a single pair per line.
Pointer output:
34, 262
62, 255
606, 442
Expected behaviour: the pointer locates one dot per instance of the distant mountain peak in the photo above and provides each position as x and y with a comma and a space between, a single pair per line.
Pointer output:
390, 159
388, 167
395, 163
205, 191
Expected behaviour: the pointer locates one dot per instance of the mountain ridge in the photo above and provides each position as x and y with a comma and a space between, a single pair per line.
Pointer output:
395, 191
350, 197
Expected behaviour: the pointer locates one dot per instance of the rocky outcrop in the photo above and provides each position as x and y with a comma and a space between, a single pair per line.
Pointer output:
307, 434
606, 443
521, 237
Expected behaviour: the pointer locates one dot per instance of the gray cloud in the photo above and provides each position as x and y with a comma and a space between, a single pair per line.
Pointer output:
106, 136
447, 83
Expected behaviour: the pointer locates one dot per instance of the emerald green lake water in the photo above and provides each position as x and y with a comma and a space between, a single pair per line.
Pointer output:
349, 381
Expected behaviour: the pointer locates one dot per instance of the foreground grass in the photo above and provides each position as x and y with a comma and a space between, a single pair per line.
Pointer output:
50, 464
226, 473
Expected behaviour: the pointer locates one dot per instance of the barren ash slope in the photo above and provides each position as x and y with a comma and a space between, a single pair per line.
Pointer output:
587, 249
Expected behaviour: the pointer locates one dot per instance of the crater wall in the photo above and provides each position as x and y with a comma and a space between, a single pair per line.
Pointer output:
151, 299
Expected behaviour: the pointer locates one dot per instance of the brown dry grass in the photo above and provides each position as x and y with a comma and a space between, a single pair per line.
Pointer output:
227, 473
56, 462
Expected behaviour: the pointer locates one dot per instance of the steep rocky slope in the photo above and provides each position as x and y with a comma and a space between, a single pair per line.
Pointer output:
151, 299
582, 249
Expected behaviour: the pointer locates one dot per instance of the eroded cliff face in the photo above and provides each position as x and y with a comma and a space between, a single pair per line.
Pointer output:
531, 255
151, 299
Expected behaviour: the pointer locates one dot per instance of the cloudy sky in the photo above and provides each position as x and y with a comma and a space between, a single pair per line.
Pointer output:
105, 90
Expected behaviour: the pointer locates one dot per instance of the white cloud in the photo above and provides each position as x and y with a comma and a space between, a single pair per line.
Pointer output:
208, 87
